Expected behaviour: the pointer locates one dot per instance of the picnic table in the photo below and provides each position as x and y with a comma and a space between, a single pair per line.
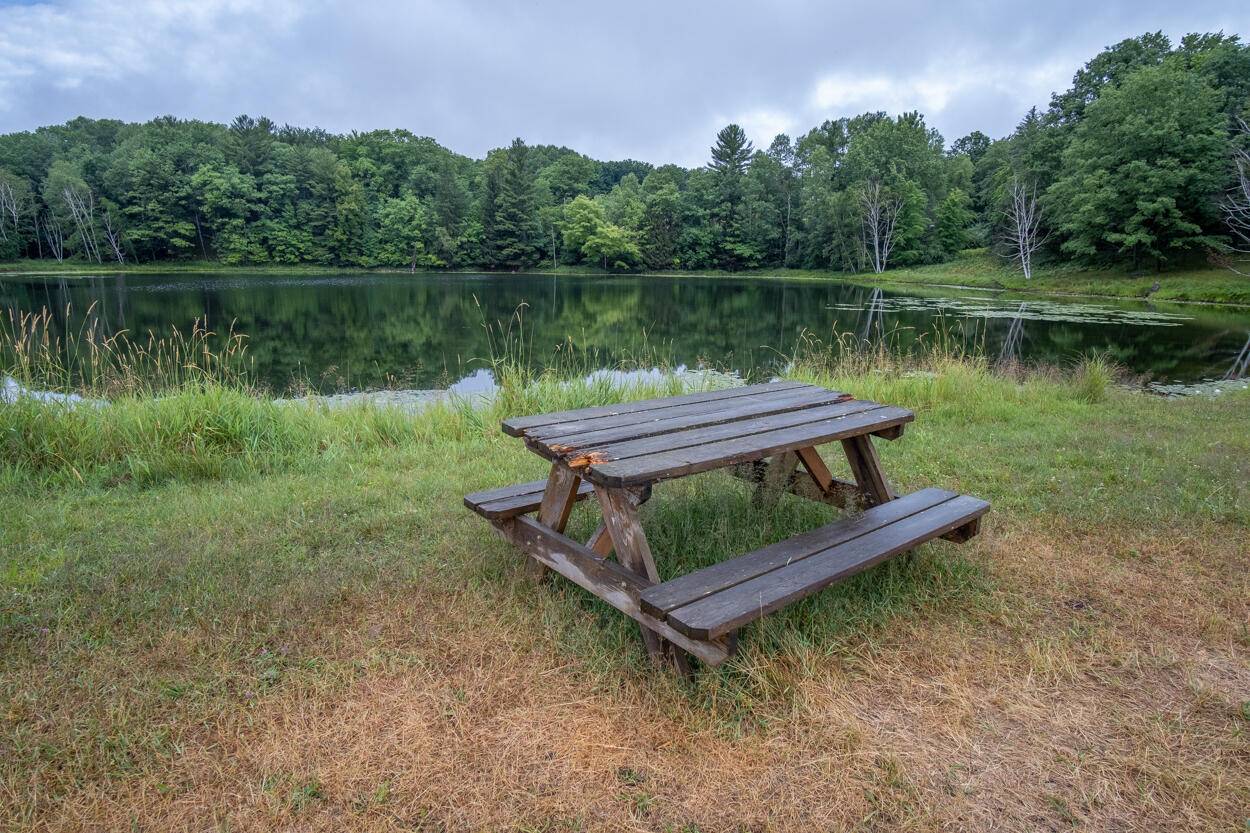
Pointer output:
766, 434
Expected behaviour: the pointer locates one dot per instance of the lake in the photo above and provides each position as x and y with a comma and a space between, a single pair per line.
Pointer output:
345, 332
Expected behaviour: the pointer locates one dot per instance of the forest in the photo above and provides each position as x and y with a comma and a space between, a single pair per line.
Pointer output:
1142, 163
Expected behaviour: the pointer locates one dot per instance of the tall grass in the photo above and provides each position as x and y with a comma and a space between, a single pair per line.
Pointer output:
572, 376
38, 354
183, 407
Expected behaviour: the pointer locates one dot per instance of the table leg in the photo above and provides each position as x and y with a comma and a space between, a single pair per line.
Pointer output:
777, 478
600, 541
866, 467
558, 500
620, 517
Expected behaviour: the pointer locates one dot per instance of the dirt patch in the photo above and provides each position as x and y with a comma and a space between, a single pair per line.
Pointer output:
1103, 686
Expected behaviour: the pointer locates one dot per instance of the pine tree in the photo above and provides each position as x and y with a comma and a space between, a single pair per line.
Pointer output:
513, 227
732, 151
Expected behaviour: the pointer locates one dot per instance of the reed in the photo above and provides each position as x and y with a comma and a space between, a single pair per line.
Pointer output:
40, 352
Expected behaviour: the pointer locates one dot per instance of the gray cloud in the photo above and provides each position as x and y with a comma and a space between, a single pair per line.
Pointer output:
649, 80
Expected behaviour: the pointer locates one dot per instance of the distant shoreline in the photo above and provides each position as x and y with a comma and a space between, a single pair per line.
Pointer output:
977, 271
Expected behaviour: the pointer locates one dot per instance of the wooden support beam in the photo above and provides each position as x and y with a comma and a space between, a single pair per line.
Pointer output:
777, 479
606, 579
866, 467
840, 493
620, 516
557, 504
815, 465
600, 542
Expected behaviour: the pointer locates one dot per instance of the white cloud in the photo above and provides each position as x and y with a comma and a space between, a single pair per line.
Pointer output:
930, 91
80, 43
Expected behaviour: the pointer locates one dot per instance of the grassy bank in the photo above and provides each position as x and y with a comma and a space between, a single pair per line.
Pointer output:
220, 613
982, 270
973, 269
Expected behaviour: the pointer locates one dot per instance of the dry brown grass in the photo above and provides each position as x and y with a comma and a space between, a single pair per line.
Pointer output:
1102, 686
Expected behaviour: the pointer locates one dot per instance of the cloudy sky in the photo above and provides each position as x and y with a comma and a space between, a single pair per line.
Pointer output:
641, 79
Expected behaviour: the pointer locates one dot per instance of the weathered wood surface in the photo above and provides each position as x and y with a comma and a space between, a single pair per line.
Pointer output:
681, 435
866, 466
693, 586
517, 426
664, 465
593, 433
610, 581
797, 575
700, 435
555, 508
620, 516
619, 451
518, 499
779, 476
839, 493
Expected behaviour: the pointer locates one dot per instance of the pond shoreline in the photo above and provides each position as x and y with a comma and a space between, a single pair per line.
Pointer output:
1210, 285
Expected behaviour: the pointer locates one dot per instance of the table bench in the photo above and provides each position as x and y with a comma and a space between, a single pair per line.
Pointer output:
766, 434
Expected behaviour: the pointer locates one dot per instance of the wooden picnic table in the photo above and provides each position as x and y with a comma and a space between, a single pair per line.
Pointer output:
766, 434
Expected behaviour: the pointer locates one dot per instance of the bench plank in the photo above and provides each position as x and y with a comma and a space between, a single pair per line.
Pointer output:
720, 613
716, 578
518, 499
518, 426
704, 457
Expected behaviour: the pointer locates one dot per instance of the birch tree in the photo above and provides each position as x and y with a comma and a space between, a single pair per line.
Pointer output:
54, 234
1024, 225
112, 234
80, 201
11, 207
1236, 205
879, 221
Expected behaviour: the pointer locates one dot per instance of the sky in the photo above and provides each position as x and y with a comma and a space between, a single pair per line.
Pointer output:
629, 79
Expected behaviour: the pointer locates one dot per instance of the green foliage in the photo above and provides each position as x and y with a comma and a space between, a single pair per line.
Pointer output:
588, 233
1143, 172
1131, 160
954, 221
402, 232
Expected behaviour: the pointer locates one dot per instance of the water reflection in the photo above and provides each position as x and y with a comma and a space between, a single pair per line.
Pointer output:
344, 332
1241, 364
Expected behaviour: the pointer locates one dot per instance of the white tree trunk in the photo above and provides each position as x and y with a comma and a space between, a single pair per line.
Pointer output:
81, 205
113, 235
1237, 206
8, 208
1024, 225
54, 235
878, 222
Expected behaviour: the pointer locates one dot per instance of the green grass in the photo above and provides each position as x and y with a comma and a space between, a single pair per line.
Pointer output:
168, 561
978, 268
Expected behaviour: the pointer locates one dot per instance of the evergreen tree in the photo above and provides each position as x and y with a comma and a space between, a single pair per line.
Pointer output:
514, 237
732, 151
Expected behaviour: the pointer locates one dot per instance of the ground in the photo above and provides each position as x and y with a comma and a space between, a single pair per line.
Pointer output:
325, 639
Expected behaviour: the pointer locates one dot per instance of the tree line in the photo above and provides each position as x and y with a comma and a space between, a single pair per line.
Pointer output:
1143, 161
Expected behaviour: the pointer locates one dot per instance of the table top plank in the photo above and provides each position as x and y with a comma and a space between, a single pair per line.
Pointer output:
650, 423
636, 443
519, 426
666, 465
704, 434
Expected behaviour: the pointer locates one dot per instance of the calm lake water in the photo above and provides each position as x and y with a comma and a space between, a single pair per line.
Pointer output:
344, 332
